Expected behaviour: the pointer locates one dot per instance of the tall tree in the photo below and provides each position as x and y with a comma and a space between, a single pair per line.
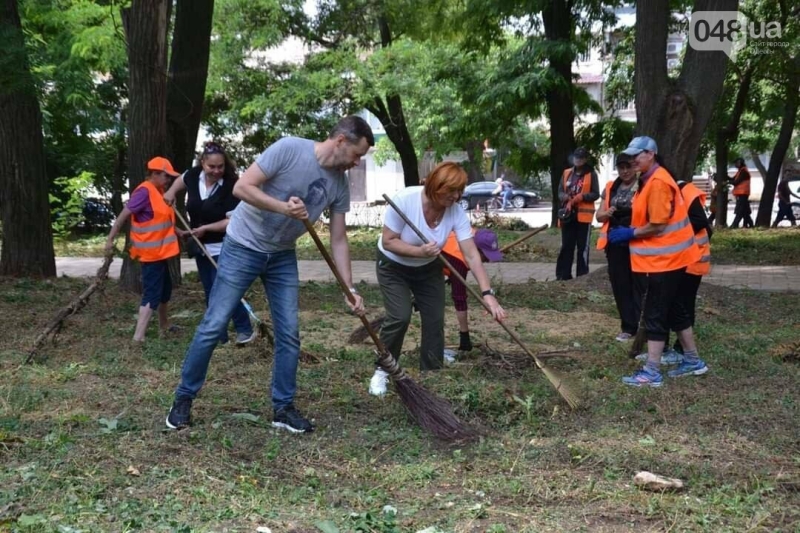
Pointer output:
27, 235
188, 72
675, 112
146, 23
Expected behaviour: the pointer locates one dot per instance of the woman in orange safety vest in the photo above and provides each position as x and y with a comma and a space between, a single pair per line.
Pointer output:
577, 194
153, 242
741, 191
614, 211
662, 246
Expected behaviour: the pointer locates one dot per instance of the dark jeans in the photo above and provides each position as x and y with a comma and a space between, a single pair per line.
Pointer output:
573, 235
742, 211
398, 282
784, 211
207, 273
663, 309
626, 290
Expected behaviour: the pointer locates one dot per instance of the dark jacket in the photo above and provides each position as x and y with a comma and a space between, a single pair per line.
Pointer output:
212, 209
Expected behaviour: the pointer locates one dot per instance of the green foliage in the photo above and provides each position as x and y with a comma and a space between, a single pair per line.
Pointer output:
66, 206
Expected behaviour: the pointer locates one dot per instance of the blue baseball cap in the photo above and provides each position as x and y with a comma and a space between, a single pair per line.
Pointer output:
641, 144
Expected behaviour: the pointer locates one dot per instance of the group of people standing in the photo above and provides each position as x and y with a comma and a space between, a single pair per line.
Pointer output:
655, 235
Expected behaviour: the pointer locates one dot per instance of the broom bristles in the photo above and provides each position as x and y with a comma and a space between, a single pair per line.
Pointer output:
361, 333
433, 414
562, 387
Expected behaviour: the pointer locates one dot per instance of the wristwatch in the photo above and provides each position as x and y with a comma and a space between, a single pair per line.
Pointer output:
488, 292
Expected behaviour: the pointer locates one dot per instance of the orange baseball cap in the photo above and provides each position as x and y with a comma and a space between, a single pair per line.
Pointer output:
162, 164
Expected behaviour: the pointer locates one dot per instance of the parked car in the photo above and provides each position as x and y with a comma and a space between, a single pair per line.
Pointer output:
480, 193
97, 214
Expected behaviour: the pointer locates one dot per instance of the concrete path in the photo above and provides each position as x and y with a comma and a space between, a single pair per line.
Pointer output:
761, 278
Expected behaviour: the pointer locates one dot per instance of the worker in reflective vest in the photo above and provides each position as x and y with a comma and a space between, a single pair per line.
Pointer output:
741, 191
615, 211
662, 246
153, 242
577, 194
489, 249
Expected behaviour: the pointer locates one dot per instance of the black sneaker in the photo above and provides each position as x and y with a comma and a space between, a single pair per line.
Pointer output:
180, 416
290, 418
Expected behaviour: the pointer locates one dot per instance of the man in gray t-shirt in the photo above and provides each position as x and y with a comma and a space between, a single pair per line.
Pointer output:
294, 179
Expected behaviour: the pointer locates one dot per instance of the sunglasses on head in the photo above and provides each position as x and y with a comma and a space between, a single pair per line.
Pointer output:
213, 148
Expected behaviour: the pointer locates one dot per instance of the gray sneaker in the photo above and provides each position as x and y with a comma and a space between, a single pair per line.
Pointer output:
244, 338
669, 357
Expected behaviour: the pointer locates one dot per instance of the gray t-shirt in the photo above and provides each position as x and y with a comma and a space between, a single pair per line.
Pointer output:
292, 169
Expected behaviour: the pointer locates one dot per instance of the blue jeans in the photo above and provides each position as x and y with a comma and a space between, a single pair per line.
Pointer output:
507, 198
207, 273
238, 269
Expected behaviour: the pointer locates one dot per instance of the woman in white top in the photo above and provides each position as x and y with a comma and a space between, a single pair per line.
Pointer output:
407, 266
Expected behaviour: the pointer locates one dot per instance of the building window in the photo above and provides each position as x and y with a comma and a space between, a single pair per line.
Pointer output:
673, 48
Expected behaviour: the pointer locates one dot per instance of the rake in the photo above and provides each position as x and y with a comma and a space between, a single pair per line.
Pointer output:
432, 413
262, 327
558, 382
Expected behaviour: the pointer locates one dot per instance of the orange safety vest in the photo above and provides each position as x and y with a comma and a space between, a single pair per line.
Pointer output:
602, 241
585, 209
155, 239
743, 189
690, 192
452, 248
673, 247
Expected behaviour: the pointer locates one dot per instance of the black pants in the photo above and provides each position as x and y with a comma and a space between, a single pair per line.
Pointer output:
784, 212
626, 290
573, 235
663, 308
742, 211
687, 294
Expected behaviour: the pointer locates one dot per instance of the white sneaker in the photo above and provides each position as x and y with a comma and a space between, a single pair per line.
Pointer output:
378, 383
449, 356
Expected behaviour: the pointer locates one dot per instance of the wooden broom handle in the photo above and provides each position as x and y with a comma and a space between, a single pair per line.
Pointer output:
523, 238
460, 278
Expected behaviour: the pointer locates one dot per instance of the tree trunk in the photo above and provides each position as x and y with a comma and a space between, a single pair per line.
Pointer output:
394, 121
27, 248
725, 136
474, 151
145, 24
557, 20
779, 150
188, 72
675, 113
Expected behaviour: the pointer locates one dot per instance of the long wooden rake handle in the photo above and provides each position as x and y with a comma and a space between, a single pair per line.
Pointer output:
460, 278
523, 238
345, 289
214, 263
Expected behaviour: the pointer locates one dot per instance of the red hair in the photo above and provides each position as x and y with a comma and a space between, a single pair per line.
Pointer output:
444, 178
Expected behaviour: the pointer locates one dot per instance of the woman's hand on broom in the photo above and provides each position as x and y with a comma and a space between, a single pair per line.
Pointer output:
498, 313
357, 305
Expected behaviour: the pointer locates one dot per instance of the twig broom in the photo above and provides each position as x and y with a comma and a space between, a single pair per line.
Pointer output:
432, 413
558, 382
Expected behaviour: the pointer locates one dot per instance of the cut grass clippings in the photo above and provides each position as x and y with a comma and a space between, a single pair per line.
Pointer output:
83, 445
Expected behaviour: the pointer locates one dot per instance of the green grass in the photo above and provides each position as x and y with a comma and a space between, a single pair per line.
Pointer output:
756, 247
82, 445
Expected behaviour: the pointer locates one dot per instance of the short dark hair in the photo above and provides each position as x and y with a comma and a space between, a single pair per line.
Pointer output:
624, 158
738, 161
354, 129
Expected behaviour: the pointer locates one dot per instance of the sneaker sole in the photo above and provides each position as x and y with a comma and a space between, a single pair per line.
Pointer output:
640, 385
698, 372
176, 428
281, 425
248, 341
